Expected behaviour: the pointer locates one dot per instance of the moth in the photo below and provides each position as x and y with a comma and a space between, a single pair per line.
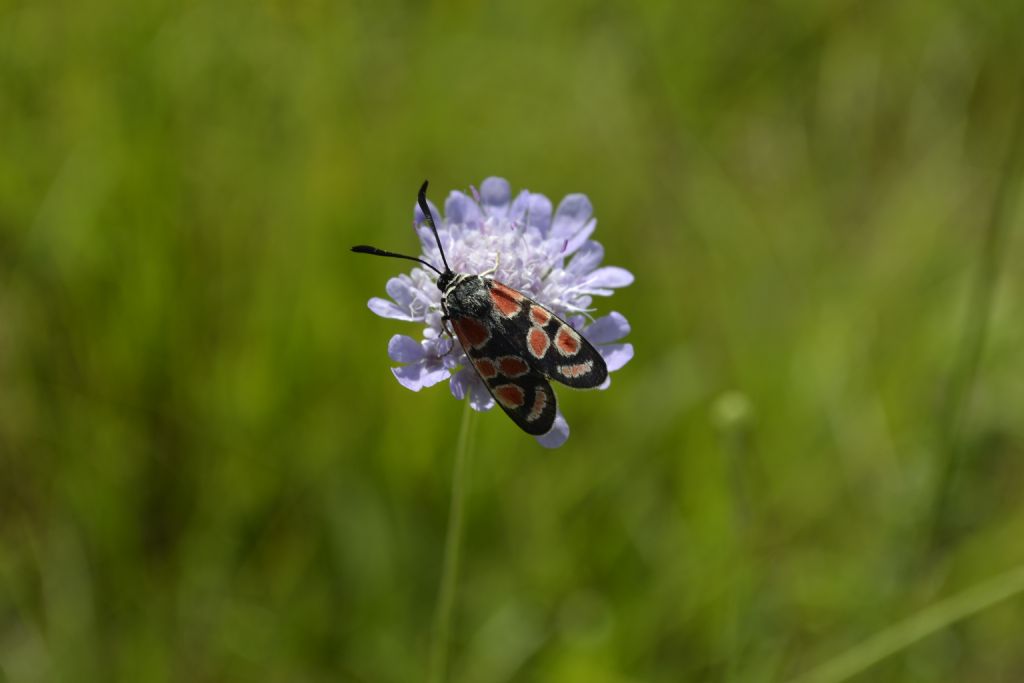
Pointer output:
515, 344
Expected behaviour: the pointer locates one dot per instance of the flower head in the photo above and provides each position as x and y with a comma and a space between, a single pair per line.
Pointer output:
549, 258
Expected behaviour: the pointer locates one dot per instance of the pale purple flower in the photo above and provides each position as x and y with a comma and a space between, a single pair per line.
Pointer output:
548, 258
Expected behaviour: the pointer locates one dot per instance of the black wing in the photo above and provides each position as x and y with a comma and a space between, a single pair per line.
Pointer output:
516, 385
549, 344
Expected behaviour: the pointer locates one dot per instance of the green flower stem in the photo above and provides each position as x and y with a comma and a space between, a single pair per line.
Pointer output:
965, 369
903, 634
452, 550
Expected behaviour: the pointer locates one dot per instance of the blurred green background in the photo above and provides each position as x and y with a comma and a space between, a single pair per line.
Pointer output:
207, 472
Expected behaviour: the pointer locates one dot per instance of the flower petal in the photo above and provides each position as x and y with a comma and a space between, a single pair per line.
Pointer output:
479, 398
538, 216
461, 209
517, 209
427, 241
466, 381
433, 321
449, 353
578, 322
607, 328
577, 240
495, 195
557, 435
404, 349
460, 383
616, 355
586, 259
439, 349
387, 309
420, 219
418, 375
533, 209
609, 276
401, 290
573, 213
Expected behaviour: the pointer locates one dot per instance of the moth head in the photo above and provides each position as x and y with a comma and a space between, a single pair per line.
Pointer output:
444, 280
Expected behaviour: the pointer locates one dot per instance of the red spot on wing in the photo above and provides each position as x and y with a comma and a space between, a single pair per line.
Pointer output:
471, 332
537, 341
510, 395
486, 368
540, 401
539, 315
513, 366
567, 341
507, 301
577, 370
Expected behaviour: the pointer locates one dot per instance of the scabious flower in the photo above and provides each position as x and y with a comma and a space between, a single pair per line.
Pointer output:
551, 259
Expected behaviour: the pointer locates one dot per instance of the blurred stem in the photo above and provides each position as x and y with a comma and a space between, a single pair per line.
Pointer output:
732, 414
965, 368
452, 550
903, 634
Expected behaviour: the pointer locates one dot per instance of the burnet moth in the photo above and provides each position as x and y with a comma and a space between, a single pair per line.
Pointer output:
514, 343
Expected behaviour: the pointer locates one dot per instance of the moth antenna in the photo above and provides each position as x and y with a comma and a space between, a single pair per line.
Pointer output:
425, 208
374, 251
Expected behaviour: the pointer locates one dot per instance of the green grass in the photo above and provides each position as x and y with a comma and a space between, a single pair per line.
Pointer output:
207, 472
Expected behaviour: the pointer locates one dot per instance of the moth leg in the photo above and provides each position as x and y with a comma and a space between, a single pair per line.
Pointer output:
448, 332
492, 271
